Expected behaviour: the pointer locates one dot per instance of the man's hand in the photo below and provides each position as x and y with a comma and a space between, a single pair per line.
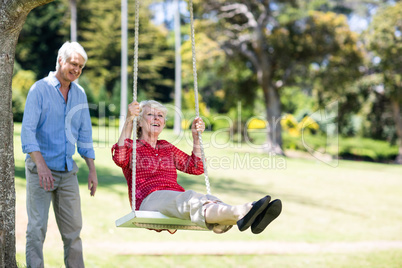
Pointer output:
92, 177
46, 179
92, 182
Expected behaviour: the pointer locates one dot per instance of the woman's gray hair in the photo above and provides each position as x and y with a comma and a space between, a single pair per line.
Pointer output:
153, 105
67, 49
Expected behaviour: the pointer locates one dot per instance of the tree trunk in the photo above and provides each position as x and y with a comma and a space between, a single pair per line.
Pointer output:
12, 17
177, 79
73, 23
273, 107
273, 111
271, 95
7, 190
396, 108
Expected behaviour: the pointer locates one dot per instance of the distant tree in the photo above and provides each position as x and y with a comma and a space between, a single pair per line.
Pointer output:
384, 38
221, 81
98, 30
45, 30
335, 61
279, 41
12, 17
100, 35
22, 82
73, 21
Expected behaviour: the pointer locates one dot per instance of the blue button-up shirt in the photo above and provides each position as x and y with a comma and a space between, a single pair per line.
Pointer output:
54, 127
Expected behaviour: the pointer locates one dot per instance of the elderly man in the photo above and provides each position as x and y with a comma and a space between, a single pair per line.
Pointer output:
56, 118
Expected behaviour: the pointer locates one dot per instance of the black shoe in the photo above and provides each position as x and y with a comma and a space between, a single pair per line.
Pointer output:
257, 209
270, 213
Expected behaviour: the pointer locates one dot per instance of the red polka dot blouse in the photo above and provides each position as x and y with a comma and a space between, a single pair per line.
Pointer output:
156, 167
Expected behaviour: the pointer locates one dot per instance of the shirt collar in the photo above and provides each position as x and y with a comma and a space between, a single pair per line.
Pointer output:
144, 143
53, 80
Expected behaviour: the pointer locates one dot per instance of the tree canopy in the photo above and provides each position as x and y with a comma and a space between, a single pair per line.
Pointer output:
384, 38
257, 53
281, 42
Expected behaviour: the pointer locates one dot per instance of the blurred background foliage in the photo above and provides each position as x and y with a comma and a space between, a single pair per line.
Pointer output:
318, 52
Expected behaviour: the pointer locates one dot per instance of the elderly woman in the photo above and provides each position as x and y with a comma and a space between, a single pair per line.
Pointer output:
156, 176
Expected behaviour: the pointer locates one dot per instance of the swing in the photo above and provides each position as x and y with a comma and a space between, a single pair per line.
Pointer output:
153, 219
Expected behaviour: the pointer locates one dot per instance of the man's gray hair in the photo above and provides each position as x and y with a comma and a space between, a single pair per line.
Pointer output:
67, 49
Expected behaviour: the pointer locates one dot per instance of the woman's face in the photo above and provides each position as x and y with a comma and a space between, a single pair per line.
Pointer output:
152, 122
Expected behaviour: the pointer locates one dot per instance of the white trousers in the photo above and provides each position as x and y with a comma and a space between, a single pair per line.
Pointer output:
188, 205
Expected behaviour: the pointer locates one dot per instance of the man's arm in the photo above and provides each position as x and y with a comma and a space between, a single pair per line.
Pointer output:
30, 145
92, 177
46, 179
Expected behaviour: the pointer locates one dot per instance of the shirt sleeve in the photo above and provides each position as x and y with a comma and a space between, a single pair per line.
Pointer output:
30, 121
186, 163
121, 154
84, 141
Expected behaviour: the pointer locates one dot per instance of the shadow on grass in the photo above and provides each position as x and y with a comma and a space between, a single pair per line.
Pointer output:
19, 172
235, 188
218, 185
107, 179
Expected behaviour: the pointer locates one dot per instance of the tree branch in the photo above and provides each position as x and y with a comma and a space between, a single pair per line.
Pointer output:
11, 12
229, 11
242, 48
265, 14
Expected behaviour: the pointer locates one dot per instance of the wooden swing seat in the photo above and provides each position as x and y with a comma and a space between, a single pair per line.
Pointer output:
155, 220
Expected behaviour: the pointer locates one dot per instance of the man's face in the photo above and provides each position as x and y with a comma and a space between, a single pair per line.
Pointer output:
72, 68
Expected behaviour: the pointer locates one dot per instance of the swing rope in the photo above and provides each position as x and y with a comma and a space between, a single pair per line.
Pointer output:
134, 168
134, 161
197, 110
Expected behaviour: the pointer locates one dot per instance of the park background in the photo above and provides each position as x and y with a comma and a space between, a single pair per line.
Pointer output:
340, 59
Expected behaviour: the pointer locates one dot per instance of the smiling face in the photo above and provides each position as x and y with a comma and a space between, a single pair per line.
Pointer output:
152, 122
71, 69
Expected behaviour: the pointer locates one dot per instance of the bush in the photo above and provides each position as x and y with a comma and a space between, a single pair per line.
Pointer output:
367, 150
22, 82
355, 148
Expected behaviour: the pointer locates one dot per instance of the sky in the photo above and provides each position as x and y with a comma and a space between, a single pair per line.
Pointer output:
356, 23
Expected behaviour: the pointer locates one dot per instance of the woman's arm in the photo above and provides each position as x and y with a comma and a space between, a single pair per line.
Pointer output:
133, 111
190, 164
197, 128
119, 151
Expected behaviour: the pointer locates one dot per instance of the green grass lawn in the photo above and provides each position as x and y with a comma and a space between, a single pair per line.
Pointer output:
350, 202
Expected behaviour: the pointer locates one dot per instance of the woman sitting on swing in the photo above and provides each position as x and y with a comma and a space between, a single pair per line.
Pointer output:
156, 176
